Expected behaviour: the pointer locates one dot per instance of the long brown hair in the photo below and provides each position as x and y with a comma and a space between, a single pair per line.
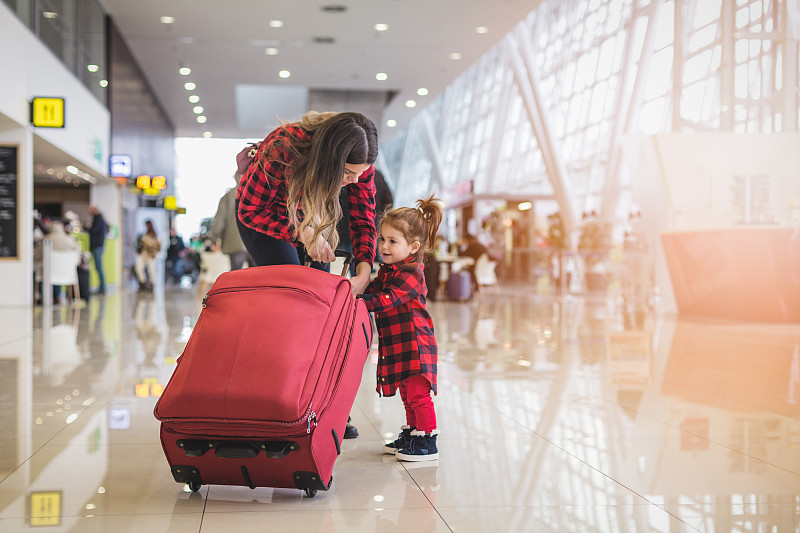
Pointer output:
318, 165
418, 224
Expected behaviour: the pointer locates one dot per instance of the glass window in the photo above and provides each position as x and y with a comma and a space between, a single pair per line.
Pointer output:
56, 22
92, 64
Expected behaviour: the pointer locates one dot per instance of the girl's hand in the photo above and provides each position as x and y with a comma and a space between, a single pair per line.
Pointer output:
319, 250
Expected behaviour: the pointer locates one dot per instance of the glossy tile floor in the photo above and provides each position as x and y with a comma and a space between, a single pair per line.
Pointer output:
553, 417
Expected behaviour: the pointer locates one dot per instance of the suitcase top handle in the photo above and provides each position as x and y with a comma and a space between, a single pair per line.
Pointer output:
348, 258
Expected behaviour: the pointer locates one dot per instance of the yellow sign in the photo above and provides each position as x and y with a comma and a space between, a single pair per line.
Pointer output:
170, 203
148, 387
46, 508
151, 192
143, 181
181, 211
47, 112
159, 182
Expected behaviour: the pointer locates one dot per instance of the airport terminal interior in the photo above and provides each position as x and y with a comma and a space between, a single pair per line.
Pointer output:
615, 292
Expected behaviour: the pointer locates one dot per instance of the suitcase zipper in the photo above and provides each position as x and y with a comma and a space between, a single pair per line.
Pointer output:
255, 428
261, 287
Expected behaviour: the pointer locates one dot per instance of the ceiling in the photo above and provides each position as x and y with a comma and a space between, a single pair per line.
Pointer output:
329, 45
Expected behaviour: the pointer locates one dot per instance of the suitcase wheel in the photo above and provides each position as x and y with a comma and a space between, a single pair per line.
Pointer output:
310, 483
187, 474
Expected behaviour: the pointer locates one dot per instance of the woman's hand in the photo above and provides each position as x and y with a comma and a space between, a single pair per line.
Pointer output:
360, 281
318, 250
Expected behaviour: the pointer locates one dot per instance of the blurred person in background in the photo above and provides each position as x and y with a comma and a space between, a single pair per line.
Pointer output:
147, 249
97, 240
225, 232
176, 250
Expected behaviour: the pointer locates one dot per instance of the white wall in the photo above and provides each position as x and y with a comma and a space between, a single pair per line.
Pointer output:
682, 181
32, 70
698, 170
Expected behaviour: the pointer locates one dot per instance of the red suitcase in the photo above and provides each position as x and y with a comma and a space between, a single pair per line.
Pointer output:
261, 394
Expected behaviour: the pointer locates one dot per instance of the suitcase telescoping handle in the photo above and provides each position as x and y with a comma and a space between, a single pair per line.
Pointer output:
348, 258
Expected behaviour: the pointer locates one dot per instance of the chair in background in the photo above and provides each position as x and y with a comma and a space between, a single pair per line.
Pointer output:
485, 272
64, 271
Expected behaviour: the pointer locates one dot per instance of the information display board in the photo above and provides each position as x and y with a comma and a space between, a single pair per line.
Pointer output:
9, 200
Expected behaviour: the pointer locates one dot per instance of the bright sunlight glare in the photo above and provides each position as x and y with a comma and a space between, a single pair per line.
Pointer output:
205, 169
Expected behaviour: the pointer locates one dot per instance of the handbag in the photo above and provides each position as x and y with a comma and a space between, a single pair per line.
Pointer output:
245, 158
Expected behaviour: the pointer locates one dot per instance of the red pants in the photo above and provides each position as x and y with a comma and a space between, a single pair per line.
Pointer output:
416, 395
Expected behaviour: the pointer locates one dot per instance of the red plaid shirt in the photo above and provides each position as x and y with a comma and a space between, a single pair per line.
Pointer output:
262, 195
406, 343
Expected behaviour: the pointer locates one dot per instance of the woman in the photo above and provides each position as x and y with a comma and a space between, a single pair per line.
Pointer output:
147, 249
288, 198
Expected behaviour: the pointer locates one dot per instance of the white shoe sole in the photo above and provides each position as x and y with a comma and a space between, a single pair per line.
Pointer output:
430, 457
387, 449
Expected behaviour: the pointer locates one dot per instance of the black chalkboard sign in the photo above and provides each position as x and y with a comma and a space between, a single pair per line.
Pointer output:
9, 197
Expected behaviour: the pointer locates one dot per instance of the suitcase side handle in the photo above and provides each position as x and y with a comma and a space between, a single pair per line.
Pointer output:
238, 449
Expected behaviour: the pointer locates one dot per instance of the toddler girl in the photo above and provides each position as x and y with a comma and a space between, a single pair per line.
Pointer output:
407, 347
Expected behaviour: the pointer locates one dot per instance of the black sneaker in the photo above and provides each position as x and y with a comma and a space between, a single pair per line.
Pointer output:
350, 431
421, 447
401, 442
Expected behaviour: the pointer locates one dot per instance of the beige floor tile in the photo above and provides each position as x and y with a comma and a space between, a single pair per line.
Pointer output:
557, 519
383, 520
549, 422
155, 523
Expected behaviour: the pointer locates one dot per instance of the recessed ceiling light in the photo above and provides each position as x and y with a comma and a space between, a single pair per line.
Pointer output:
381, 27
391, 123
92, 68
103, 83
276, 24
49, 14
167, 20
197, 109
194, 98
422, 91
381, 76
190, 86
481, 29
284, 74
455, 56
207, 134
201, 119
185, 71
411, 103
271, 51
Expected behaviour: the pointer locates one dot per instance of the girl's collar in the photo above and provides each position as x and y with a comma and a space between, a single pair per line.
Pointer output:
408, 261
